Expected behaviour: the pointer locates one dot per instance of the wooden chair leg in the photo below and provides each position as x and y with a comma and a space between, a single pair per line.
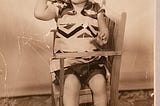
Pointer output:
115, 81
52, 92
61, 81
117, 61
52, 95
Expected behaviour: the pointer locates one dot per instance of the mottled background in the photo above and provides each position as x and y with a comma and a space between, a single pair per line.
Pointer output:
126, 98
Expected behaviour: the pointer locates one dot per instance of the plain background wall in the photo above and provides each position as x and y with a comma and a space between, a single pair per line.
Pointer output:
137, 65
24, 57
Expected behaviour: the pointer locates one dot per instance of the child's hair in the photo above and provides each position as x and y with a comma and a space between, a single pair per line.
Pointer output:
66, 7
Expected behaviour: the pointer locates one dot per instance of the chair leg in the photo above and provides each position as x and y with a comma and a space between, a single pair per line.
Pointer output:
61, 81
52, 92
52, 96
115, 80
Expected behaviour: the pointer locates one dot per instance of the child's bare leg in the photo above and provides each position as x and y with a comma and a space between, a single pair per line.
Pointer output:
98, 85
71, 91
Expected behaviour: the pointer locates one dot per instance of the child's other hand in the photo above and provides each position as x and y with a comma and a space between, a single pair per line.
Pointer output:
102, 37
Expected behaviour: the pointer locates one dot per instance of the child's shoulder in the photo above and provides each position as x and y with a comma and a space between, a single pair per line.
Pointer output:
65, 7
90, 9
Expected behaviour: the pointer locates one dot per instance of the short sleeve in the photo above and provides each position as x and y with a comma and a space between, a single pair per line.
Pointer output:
63, 7
92, 9
98, 8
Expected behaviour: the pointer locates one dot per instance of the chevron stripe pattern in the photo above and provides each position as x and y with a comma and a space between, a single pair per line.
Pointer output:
76, 31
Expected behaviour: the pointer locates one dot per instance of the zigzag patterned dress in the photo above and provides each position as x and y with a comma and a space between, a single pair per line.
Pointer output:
76, 32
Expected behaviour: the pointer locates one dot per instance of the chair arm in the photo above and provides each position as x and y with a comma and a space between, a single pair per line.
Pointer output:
87, 54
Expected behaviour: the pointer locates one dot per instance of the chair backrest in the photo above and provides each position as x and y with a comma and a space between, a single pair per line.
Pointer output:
117, 39
116, 27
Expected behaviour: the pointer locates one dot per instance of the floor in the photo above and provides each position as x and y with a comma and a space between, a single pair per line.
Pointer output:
126, 98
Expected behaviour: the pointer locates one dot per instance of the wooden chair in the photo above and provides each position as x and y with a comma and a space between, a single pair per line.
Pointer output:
116, 26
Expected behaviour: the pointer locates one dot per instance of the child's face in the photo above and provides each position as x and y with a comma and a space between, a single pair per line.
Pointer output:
78, 1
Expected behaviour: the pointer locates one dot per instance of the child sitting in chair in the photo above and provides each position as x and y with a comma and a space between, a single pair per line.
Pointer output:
81, 27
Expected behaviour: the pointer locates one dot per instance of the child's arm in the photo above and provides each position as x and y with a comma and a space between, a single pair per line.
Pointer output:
45, 12
103, 35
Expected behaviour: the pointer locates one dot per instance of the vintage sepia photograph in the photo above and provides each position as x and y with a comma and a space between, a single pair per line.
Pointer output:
79, 52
